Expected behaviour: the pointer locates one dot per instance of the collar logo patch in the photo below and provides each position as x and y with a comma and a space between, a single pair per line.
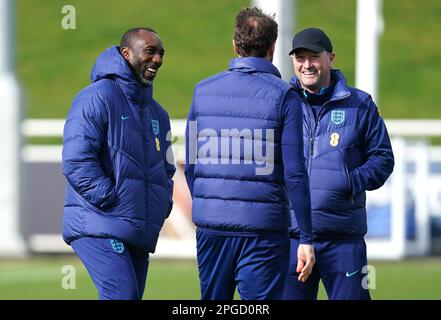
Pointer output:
338, 116
155, 126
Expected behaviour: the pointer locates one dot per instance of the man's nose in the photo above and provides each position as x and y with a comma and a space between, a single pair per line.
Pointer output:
157, 58
307, 63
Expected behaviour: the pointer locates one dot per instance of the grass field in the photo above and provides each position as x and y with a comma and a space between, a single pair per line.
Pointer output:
41, 277
54, 64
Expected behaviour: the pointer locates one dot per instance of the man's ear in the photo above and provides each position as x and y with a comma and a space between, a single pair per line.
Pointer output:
125, 52
235, 48
331, 59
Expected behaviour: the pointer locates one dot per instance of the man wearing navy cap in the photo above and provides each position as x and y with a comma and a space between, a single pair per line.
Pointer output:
347, 151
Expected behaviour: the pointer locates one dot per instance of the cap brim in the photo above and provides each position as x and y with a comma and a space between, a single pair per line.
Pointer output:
308, 46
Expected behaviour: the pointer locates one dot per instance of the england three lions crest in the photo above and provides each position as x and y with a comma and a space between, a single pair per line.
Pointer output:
155, 127
337, 116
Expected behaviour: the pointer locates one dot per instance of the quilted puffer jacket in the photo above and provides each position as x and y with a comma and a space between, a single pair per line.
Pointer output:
347, 152
245, 125
117, 159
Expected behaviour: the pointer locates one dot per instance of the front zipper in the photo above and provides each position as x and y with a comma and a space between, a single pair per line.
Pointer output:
311, 139
143, 113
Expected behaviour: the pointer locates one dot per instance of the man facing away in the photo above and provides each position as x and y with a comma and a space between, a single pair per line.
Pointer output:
348, 151
119, 178
241, 192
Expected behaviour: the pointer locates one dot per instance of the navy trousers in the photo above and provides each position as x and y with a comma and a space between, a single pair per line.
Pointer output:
340, 264
118, 271
256, 265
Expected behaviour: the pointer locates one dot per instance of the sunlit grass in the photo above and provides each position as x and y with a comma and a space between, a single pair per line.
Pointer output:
41, 278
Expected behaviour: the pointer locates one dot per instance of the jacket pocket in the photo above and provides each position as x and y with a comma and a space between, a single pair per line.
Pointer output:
159, 198
330, 183
346, 175
86, 204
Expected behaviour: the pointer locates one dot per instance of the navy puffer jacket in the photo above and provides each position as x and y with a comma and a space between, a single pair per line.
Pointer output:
115, 149
241, 115
347, 152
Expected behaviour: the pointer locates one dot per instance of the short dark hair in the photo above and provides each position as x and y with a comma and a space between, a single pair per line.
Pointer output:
254, 32
129, 36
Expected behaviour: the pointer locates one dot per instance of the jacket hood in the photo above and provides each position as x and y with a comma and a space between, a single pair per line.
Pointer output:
341, 88
112, 65
253, 64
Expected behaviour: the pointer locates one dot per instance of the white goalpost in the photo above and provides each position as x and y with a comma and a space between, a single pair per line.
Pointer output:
283, 9
11, 242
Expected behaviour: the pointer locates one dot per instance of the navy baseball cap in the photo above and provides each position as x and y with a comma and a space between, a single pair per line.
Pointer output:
312, 39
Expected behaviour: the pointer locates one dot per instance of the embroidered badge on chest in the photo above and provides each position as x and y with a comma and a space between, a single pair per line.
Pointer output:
337, 116
158, 145
334, 139
155, 127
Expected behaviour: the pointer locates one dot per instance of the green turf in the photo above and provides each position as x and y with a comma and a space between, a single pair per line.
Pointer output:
41, 278
409, 279
54, 64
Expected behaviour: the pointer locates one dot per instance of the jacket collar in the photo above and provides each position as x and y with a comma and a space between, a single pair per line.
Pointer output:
341, 89
253, 64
